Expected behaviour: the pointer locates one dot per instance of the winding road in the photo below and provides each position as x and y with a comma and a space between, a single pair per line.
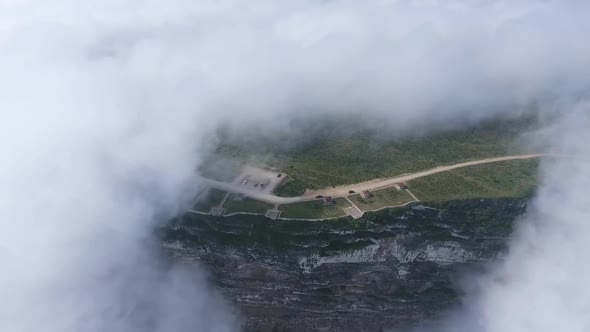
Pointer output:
343, 191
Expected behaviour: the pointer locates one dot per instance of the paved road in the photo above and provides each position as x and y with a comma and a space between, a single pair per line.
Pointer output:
342, 191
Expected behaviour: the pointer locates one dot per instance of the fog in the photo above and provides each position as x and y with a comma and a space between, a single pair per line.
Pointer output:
540, 283
109, 106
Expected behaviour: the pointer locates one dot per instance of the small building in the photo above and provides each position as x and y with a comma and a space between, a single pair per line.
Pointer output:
400, 186
328, 200
366, 194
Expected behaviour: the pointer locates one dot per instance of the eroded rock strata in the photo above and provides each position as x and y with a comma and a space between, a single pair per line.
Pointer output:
388, 270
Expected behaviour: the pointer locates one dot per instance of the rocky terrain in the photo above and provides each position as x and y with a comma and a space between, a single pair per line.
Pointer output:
388, 270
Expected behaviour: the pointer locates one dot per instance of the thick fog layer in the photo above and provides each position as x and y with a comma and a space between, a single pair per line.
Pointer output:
107, 107
540, 284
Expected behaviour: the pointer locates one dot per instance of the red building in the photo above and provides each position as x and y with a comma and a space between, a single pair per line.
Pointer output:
329, 200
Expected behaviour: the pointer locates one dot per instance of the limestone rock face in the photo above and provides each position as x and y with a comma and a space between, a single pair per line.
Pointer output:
390, 269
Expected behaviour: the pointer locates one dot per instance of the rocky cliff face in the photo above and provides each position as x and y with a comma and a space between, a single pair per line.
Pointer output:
388, 270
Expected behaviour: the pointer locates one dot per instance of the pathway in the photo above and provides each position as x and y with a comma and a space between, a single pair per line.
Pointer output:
343, 191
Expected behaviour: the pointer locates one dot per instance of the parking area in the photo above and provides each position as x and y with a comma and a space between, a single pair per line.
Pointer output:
258, 179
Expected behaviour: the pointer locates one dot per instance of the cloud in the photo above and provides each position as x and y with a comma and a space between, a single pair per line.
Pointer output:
107, 108
540, 284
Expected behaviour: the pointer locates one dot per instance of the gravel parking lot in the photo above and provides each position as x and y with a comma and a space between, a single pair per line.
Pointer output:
258, 179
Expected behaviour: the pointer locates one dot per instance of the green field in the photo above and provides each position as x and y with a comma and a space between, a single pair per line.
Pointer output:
516, 178
336, 156
506, 179
382, 198
314, 210
209, 200
246, 205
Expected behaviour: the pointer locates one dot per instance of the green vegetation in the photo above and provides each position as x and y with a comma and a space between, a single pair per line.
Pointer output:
341, 155
291, 187
245, 205
314, 209
514, 179
346, 152
382, 198
208, 200
506, 179
473, 220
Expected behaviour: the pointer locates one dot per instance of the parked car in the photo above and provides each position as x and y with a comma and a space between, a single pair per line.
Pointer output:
319, 196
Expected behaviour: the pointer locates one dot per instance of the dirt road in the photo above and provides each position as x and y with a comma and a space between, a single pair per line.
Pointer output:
343, 191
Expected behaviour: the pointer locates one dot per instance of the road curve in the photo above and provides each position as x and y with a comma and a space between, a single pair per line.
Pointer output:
343, 191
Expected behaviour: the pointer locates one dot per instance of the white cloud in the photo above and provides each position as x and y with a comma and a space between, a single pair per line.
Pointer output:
106, 106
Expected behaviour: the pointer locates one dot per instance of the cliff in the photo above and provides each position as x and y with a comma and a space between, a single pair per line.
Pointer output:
388, 270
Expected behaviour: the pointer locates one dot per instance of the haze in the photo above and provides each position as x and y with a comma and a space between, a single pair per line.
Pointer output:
109, 106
